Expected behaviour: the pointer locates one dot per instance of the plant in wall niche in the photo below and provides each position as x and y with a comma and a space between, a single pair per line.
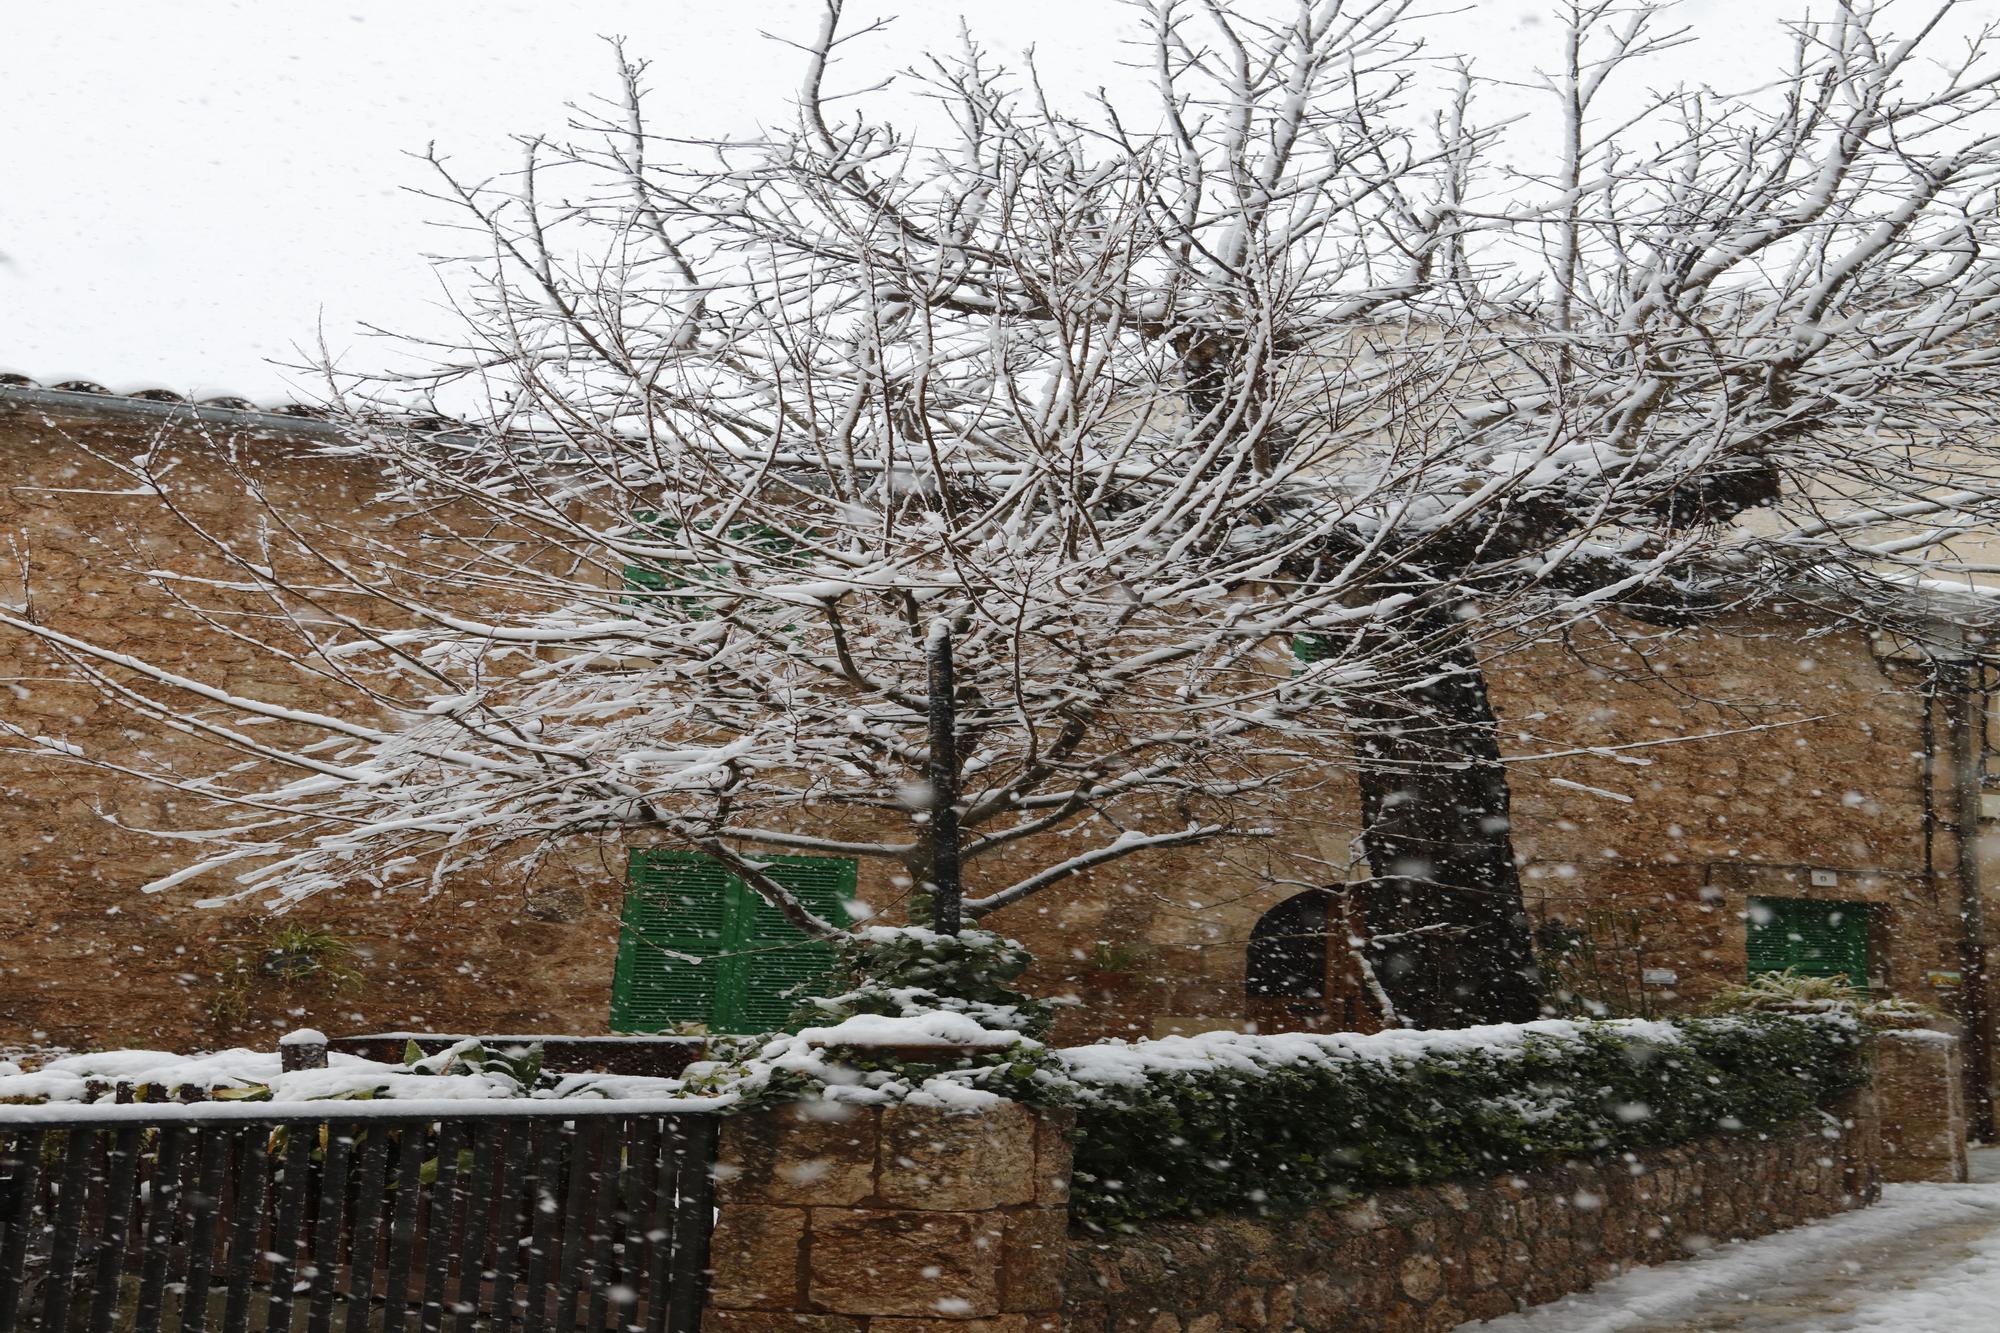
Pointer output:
908, 971
1112, 969
925, 1013
1792, 992
309, 954
288, 959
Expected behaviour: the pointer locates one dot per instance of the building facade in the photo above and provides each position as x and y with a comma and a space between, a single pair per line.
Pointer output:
1688, 809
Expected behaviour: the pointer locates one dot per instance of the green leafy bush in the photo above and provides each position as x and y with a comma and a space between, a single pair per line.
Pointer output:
1225, 1123
898, 971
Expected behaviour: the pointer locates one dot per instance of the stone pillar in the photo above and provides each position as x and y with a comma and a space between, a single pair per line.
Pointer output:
897, 1219
1920, 1092
1854, 1142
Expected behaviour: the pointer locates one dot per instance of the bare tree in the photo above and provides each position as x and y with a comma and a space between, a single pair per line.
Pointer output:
1140, 399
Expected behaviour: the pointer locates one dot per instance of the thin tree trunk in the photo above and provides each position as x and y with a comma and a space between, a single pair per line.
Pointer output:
1449, 933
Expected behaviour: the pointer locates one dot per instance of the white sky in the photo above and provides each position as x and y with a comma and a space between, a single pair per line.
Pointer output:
188, 190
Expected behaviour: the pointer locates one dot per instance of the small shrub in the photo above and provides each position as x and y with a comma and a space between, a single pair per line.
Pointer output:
1792, 992
906, 970
291, 957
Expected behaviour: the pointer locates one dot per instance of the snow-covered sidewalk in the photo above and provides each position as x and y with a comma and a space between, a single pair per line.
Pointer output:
1924, 1260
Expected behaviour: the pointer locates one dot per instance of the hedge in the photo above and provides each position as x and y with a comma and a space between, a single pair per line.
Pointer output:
1230, 1123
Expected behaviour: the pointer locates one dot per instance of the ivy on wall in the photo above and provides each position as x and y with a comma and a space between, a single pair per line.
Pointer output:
1277, 1125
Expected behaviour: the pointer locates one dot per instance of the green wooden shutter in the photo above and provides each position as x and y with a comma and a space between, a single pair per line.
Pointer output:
1814, 939
778, 547
676, 922
1310, 648
743, 966
782, 963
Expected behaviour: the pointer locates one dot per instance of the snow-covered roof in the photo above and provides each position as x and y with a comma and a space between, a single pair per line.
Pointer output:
88, 397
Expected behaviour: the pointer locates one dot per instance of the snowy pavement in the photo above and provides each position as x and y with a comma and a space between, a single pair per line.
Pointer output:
1924, 1260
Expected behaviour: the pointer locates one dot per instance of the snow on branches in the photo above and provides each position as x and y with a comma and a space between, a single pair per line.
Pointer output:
1135, 396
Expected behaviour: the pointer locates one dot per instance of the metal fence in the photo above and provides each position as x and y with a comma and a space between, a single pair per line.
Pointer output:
398, 1217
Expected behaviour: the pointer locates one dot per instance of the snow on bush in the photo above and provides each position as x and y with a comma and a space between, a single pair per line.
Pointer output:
463, 1071
911, 972
1226, 1122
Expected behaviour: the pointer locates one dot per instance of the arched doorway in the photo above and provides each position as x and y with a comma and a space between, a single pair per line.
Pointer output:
1301, 973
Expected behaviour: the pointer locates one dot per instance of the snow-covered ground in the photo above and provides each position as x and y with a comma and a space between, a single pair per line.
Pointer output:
1924, 1260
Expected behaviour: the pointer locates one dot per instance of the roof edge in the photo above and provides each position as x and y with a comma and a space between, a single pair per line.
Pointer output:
125, 407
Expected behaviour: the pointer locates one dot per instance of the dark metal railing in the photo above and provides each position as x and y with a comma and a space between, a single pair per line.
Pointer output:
369, 1217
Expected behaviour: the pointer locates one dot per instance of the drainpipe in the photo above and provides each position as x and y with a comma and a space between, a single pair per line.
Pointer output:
1963, 696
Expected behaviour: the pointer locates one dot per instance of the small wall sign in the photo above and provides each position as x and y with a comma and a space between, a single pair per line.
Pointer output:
1941, 979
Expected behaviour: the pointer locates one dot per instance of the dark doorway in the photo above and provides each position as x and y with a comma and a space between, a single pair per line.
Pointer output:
1301, 973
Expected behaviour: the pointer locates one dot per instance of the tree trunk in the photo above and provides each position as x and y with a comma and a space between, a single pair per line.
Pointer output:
1448, 930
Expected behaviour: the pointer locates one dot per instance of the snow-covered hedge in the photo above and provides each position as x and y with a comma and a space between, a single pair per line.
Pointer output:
1225, 1122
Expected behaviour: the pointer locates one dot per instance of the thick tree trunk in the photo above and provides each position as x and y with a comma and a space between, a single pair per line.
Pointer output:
1449, 934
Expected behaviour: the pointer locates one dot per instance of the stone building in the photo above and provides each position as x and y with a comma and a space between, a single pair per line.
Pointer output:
1687, 808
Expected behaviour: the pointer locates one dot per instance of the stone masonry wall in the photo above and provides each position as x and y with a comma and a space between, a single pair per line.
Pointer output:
1425, 1259
1920, 1092
904, 1219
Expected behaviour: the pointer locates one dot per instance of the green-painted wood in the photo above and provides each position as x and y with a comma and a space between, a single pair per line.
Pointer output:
1811, 937
698, 945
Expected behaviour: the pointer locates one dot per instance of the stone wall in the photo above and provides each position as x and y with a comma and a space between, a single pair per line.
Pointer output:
1425, 1259
1920, 1090
904, 1219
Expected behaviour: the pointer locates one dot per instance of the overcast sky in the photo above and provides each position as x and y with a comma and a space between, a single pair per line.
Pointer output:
190, 189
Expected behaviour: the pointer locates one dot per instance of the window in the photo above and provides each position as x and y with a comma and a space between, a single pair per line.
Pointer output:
687, 580
1310, 648
1813, 938
698, 945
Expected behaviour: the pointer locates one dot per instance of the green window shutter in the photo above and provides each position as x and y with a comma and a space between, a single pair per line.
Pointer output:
698, 945
771, 544
1310, 648
675, 923
781, 963
1814, 939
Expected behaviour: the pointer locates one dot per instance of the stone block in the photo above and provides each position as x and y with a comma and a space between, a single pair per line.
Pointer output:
932, 1158
1445, 1315
768, 1321
1421, 1278
1033, 1250
1488, 1305
1005, 1323
918, 1263
1086, 1317
1403, 1319
1245, 1308
1920, 1102
820, 1153
1054, 1155
1483, 1261
755, 1254
1321, 1301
